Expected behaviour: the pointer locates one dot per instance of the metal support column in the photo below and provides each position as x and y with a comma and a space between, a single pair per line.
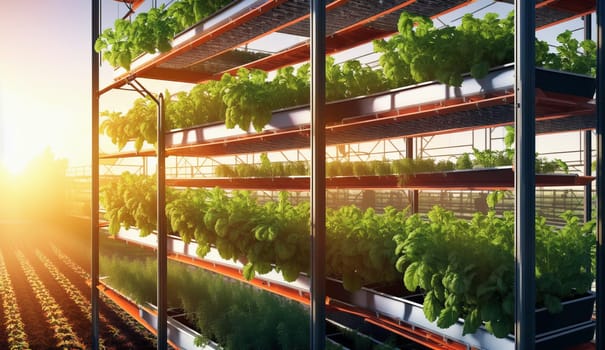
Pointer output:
600, 101
94, 174
162, 257
318, 174
162, 252
525, 196
412, 194
588, 141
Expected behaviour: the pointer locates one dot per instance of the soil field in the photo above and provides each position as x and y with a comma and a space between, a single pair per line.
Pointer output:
44, 297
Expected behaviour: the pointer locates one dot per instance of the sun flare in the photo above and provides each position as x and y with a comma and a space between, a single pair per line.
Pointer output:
15, 164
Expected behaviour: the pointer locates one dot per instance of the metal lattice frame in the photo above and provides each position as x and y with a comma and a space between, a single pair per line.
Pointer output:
525, 181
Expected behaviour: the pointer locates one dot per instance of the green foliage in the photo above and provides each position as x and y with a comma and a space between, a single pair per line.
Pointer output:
351, 79
128, 202
274, 235
291, 87
247, 97
491, 158
138, 124
212, 303
360, 244
464, 162
335, 168
131, 202
495, 197
265, 169
420, 52
202, 105
571, 56
282, 234
151, 31
542, 164
466, 268
563, 263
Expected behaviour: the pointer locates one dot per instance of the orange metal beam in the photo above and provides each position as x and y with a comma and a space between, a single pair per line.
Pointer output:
236, 274
122, 80
301, 51
334, 4
134, 4
578, 8
454, 105
566, 106
421, 336
544, 3
178, 75
130, 307
416, 334
451, 9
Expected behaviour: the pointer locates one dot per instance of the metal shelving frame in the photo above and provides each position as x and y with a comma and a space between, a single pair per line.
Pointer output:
524, 187
600, 192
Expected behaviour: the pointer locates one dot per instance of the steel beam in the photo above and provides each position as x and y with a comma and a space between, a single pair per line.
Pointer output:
94, 214
600, 193
412, 194
162, 256
588, 140
162, 237
525, 196
318, 174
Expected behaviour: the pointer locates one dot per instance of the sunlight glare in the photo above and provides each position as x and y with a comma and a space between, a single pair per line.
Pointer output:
15, 163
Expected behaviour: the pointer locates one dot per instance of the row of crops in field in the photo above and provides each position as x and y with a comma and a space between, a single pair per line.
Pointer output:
45, 298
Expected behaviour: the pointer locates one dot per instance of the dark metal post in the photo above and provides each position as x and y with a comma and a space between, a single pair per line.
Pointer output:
412, 194
525, 196
162, 235
94, 174
600, 100
588, 141
318, 175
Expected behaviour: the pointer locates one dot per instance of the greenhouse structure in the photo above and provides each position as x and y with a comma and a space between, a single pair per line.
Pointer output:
401, 198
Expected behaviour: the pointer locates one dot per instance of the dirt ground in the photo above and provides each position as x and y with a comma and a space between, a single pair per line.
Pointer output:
60, 257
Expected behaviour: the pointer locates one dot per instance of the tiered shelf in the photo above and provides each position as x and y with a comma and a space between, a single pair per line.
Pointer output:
564, 102
202, 52
476, 179
549, 12
401, 312
206, 50
180, 335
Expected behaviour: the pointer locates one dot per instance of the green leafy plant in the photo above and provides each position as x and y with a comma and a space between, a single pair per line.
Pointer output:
352, 79
211, 303
138, 124
492, 158
360, 244
571, 55
420, 52
466, 270
247, 98
131, 202
151, 31
281, 233
264, 237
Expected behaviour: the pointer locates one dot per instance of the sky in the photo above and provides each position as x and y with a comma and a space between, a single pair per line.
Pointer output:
45, 79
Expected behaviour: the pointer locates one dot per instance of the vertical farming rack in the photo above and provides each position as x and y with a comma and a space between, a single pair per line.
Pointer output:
563, 102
